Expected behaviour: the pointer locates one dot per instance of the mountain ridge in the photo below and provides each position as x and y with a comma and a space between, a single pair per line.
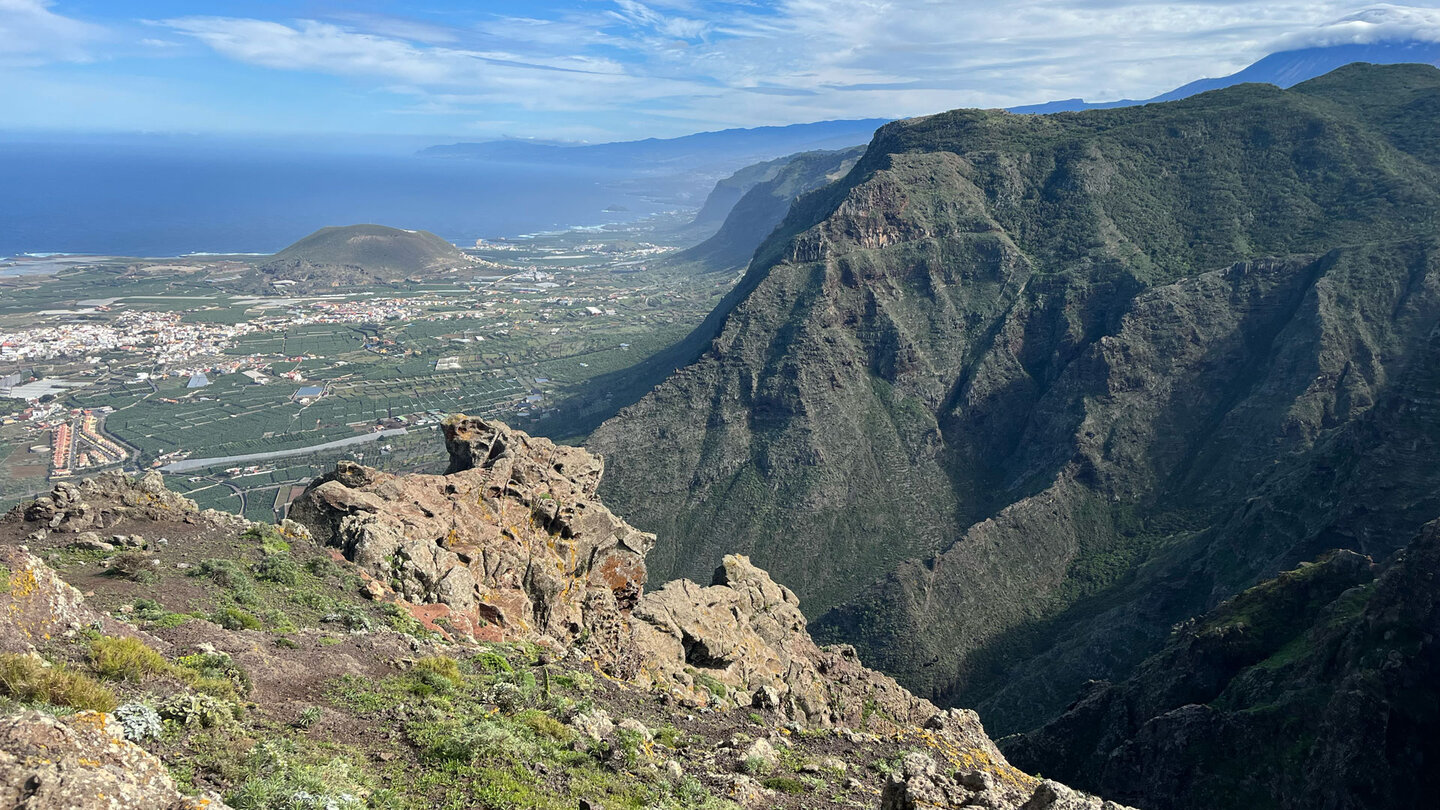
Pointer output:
1283, 69
912, 353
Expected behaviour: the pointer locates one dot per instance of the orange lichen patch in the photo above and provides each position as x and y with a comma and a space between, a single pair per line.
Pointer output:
23, 582
427, 614
968, 758
620, 573
95, 720
473, 626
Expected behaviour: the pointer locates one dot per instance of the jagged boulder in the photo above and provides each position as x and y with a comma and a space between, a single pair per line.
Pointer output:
747, 632
921, 785
101, 502
82, 762
511, 540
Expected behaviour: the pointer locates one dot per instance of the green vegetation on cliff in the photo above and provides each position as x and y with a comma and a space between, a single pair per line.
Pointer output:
1308, 690
1021, 392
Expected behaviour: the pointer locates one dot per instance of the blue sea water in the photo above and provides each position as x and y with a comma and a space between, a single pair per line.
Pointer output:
168, 199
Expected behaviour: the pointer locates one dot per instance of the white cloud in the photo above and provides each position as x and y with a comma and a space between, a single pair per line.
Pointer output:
1379, 23
710, 63
32, 34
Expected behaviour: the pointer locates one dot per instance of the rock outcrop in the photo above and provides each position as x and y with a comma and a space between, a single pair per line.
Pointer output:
511, 542
100, 502
747, 632
83, 762
36, 605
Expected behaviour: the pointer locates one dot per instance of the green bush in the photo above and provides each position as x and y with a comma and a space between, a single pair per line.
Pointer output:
544, 725
322, 567
231, 576
491, 662
786, 784
451, 740
278, 568
756, 766
197, 711
277, 621
28, 679
128, 659
271, 541
152, 612
233, 618
309, 717
214, 673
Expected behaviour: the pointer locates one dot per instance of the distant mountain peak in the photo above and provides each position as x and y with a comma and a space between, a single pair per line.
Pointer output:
1292, 66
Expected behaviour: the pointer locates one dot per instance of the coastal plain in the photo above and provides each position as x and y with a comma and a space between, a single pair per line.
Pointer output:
241, 387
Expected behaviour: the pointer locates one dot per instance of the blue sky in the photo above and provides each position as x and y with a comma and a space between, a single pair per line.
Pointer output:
599, 70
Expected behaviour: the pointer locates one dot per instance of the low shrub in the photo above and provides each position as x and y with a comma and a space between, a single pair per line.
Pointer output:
314, 600
322, 567
443, 666
309, 717
490, 661
228, 574
28, 679
271, 541
280, 780
278, 568
545, 726
138, 722
277, 620
233, 618
135, 566
154, 613
576, 680
128, 659
756, 766
786, 784
197, 711
351, 618
200, 668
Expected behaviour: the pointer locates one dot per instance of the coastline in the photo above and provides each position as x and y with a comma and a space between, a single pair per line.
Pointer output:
48, 263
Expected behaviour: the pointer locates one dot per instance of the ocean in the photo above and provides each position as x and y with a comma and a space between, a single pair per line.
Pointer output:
171, 199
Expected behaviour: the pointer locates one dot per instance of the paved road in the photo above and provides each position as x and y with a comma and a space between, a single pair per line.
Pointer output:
198, 463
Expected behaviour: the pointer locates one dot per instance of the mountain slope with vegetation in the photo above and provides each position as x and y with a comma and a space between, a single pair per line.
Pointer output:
1067, 379
764, 205
1314, 689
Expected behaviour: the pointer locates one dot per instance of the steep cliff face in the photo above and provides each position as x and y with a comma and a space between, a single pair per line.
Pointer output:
1068, 379
1311, 690
754, 214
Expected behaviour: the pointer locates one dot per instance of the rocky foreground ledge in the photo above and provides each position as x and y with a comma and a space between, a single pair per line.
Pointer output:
412, 622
